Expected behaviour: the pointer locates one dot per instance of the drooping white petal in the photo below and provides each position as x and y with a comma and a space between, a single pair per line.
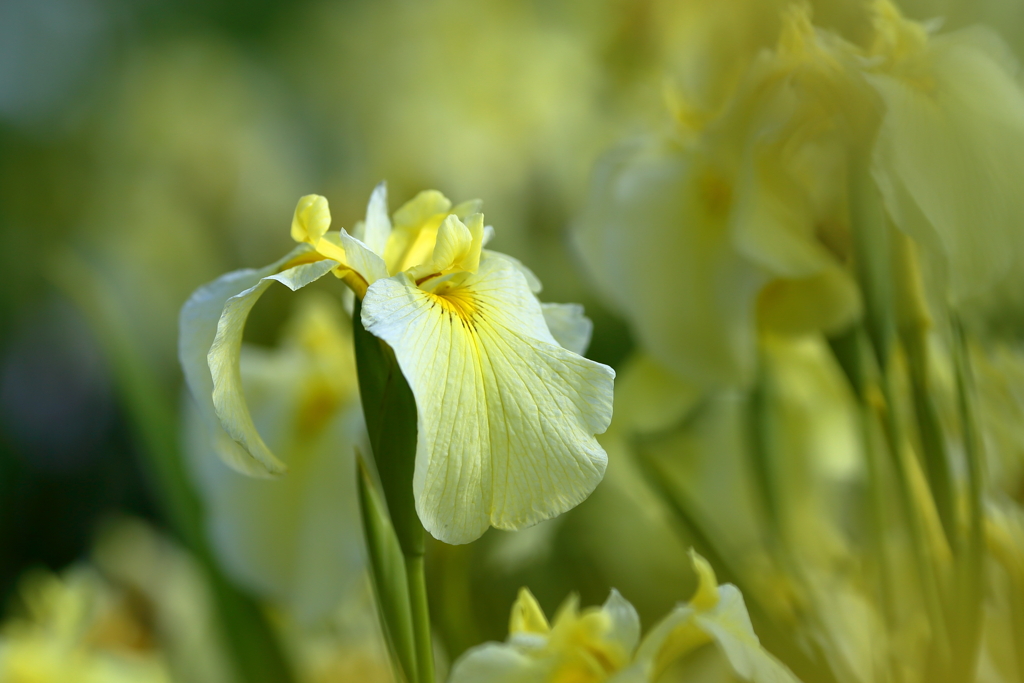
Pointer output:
506, 417
197, 328
569, 326
223, 358
293, 540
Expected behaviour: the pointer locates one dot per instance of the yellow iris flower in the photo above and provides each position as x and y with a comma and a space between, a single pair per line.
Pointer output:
601, 643
507, 409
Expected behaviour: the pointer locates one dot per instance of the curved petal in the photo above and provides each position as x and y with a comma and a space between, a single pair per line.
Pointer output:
223, 358
197, 328
506, 417
569, 326
311, 220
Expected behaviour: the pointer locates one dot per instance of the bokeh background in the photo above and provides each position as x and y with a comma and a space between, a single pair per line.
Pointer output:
148, 147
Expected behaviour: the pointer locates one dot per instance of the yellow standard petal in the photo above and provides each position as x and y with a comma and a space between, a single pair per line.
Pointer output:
527, 616
311, 220
506, 416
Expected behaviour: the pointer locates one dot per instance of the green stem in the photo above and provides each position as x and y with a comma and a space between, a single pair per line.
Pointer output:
416, 576
761, 458
391, 422
928, 580
932, 439
970, 569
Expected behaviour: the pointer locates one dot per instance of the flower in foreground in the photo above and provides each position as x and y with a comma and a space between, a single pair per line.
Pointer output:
600, 643
507, 409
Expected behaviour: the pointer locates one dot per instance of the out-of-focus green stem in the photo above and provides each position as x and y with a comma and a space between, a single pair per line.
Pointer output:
929, 429
850, 350
877, 263
970, 579
760, 456
913, 320
923, 557
254, 650
416, 576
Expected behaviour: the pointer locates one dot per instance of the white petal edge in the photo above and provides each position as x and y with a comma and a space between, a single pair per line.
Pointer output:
569, 326
728, 625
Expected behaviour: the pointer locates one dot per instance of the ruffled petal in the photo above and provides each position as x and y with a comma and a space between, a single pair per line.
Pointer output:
506, 416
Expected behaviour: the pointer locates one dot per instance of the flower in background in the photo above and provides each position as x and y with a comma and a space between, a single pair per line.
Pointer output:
138, 612
77, 629
772, 210
506, 413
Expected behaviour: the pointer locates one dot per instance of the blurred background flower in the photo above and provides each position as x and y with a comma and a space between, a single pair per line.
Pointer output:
683, 169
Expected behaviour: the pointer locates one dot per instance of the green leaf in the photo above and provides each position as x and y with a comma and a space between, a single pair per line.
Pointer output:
389, 577
390, 411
